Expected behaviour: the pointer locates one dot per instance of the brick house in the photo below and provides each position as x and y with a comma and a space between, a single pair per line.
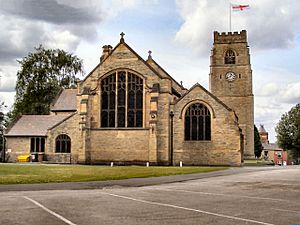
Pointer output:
271, 151
129, 110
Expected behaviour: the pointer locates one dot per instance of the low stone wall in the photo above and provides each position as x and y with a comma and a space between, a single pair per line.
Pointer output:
65, 158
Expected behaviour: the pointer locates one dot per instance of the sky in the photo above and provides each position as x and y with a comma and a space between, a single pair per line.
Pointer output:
178, 32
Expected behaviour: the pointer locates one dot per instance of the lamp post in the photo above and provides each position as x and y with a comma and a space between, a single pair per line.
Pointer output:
171, 144
2, 136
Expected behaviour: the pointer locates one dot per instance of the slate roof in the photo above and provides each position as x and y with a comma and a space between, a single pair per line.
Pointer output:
271, 146
122, 42
262, 129
66, 101
34, 125
207, 92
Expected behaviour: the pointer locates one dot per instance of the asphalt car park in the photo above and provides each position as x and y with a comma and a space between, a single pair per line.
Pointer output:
241, 196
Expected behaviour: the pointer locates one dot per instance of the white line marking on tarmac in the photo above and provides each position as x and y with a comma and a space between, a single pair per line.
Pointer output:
229, 195
50, 211
285, 210
188, 209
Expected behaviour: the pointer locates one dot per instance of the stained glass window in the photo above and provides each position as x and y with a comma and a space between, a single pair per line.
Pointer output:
122, 100
197, 125
63, 144
108, 96
135, 101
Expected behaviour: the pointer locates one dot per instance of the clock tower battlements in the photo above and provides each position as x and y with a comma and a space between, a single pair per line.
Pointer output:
230, 37
230, 79
230, 68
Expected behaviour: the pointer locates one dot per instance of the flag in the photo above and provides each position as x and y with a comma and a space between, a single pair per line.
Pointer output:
239, 7
235, 8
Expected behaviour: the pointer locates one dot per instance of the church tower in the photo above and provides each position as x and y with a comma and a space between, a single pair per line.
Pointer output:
230, 79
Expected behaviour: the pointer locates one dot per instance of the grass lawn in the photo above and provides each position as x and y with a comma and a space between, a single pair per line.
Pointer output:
29, 174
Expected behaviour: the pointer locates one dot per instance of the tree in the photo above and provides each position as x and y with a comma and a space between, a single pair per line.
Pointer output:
288, 131
257, 143
43, 73
2, 127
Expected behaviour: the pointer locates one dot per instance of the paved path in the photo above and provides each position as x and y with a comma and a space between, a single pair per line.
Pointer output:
134, 182
237, 196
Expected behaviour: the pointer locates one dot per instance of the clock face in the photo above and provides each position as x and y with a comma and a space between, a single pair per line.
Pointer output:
230, 76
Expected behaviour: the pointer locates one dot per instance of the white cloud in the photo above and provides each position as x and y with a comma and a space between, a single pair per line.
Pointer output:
270, 24
268, 89
276, 90
198, 24
55, 24
7, 78
290, 93
62, 39
8, 99
268, 111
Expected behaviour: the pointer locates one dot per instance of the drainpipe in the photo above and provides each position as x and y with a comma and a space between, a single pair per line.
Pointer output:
3, 145
2, 136
171, 144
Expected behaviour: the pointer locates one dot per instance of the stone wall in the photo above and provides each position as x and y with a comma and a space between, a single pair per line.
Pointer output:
121, 146
237, 93
73, 129
243, 106
224, 148
157, 92
16, 146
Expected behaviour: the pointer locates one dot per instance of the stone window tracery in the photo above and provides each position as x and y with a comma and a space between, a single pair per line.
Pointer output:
229, 57
197, 125
122, 100
63, 144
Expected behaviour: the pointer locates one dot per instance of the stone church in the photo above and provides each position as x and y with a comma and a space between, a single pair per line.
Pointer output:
128, 110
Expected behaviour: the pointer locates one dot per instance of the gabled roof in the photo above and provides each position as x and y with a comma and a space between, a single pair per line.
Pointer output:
66, 101
207, 92
165, 72
137, 55
34, 125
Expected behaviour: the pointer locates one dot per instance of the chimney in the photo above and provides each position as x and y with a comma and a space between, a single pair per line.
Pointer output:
264, 135
106, 50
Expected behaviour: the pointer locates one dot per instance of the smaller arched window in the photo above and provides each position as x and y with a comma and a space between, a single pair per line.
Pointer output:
63, 144
197, 123
229, 57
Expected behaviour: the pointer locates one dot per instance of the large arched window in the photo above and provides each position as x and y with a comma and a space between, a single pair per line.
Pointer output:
122, 100
197, 123
229, 57
63, 144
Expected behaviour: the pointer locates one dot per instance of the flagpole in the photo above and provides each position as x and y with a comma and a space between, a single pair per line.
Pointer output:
229, 17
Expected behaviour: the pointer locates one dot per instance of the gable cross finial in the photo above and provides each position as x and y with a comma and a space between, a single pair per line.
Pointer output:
149, 56
122, 37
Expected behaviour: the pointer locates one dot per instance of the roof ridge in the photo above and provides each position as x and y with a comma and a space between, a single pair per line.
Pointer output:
134, 52
183, 88
144, 61
56, 97
206, 91
34, 125
63, 120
